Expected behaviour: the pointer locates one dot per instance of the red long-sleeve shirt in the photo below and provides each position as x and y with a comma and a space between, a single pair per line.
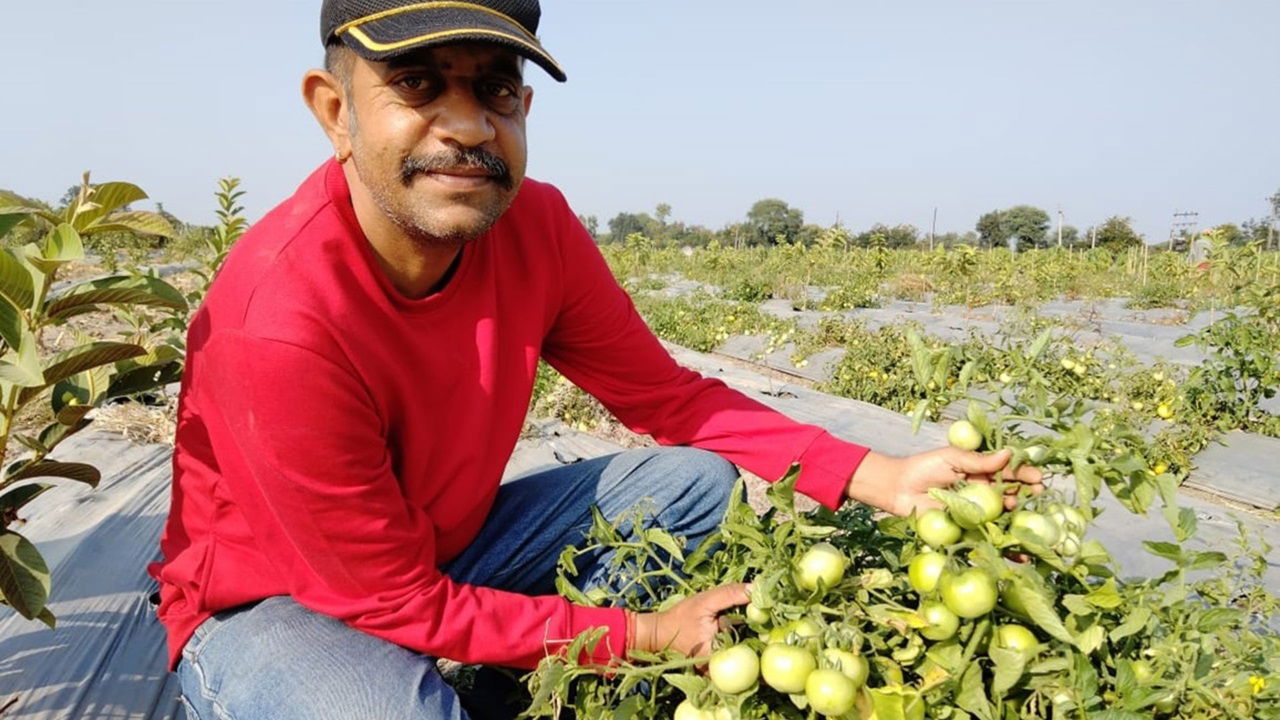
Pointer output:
337, 441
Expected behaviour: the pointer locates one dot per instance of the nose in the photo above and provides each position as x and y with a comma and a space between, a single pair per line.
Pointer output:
462, 118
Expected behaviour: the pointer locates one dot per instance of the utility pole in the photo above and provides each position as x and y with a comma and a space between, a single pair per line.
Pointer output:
1093, 242
933, 229
1183, 221
1059, 226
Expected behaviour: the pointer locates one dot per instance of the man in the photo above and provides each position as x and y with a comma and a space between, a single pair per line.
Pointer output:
358, 377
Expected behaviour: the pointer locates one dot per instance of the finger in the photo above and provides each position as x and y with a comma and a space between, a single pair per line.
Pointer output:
977, 465
726, 596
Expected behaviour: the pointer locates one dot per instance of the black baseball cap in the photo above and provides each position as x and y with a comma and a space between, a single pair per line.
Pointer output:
383, 29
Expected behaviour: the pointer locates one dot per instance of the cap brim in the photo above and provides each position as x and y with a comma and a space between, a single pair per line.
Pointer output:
383, 36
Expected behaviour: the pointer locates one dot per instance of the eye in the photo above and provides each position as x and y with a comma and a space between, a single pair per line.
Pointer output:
499, 90
413, 83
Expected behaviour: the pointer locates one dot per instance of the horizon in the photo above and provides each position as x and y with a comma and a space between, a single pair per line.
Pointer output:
879, 114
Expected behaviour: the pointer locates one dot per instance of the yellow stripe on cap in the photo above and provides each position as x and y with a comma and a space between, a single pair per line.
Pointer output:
440, 5
376, 46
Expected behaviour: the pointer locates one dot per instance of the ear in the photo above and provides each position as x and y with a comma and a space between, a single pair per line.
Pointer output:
528, 99
325, 96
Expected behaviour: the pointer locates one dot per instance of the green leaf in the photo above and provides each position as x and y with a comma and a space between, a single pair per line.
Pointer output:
1134, 623
11, 322
145, 378
22, 368
571, 592
965, 512
115, 290
973, 694
138, 222
79, 359
63, 244
921, 360
1091, 639
978, 418
80, 472
1039, 607
14, 499
1039, 345
1182, 521
690, 685
1218, 618
664, 540
1117, 715
1106, 596
24, 577
105, 199
1166, 550
917, 415
1204, 560
1009, 667
15, 280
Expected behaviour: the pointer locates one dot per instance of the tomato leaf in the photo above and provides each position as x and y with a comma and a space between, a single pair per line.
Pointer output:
972, 695
1009, 667
1134, 623
1106, 596
690, 685
1218, 618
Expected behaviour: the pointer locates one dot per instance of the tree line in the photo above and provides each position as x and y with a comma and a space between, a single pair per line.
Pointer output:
772, 221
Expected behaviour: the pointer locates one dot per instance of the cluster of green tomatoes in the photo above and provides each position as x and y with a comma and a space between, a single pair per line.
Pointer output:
792, 661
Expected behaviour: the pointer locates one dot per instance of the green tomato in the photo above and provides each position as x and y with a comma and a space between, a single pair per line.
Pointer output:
757, 615
969, 594
686, 710
854, 666
786, 667
936, 528
1011, 599
829, 692
733, 669
820, 563
923, 571
1036, 454
988, 500
1044, 530
963, 435
1014, 637
1069, 545
1143, 672
943, 623
1067, 518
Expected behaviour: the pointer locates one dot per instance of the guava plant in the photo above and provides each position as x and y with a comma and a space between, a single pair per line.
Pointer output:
73, 380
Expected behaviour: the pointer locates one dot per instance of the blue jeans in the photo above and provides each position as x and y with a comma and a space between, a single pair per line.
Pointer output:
275, 659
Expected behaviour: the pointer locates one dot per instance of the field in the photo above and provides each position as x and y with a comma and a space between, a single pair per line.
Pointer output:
1143, 384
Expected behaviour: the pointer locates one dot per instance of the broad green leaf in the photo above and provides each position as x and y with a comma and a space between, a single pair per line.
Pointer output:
115, 290
82, 358
15, 280
917, 415
55, 433
1204, 560
80, 472
1134, 623
1009, 667
9, 221
105, 199
24, 577
11, 322
63, 244
973, 693
1217, 618
80, 391
13, 499
1167, 550
571, 591
1181, 520
139, 222
1117, 715
1105, 596
1091, 639
690, 685
921, 360
975, 415
1039, 608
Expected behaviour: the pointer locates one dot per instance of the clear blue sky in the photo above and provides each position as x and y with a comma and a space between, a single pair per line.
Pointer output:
869, 111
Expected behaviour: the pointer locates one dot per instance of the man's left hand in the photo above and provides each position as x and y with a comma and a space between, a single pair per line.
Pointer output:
900, 485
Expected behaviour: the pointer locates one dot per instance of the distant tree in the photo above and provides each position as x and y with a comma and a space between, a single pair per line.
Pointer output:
897, 236
662, 212
952, 239
1029, 225
771, 221
625, 223
1025, 223
1070, 237
592, 224
1117, 233
991, 231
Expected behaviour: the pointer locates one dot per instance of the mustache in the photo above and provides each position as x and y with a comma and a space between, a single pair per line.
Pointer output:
472, 158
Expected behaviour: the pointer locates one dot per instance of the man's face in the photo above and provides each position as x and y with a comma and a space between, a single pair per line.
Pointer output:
438, 138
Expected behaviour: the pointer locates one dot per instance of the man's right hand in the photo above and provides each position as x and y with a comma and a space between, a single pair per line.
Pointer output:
691, 624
